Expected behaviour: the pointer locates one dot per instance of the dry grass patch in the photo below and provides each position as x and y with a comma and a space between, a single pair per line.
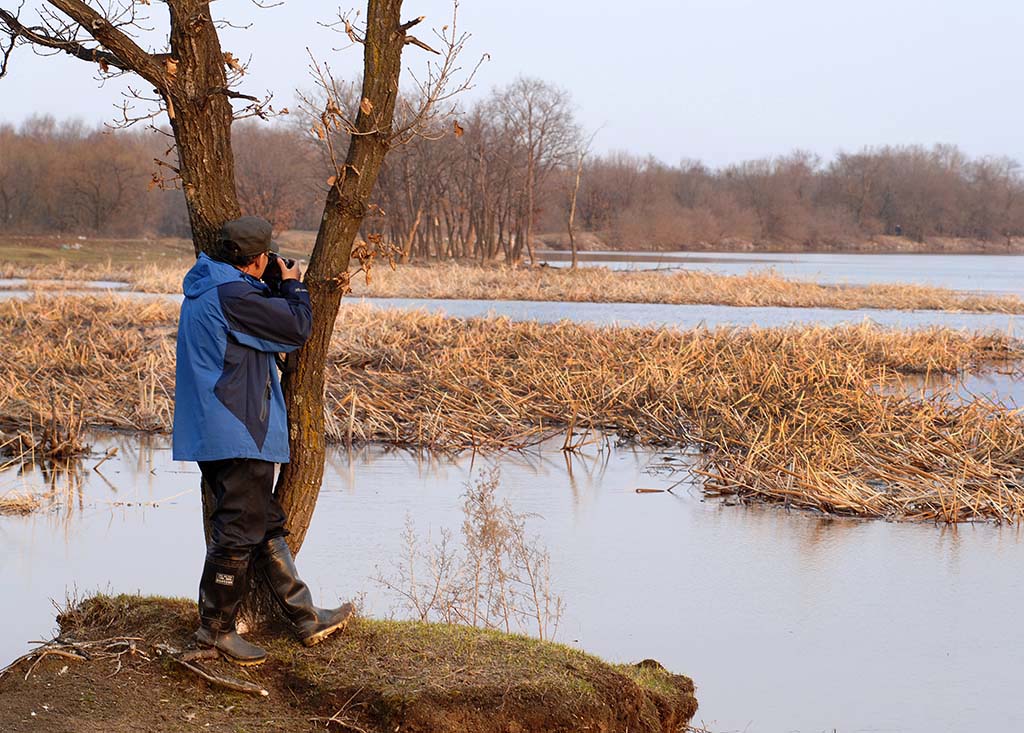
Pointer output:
587, 285
805, 416
19, 503
112, 358
682, 287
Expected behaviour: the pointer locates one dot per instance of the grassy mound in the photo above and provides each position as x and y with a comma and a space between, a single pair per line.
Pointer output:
377, 676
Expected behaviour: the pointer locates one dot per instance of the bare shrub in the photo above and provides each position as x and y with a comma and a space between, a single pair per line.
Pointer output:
499, 577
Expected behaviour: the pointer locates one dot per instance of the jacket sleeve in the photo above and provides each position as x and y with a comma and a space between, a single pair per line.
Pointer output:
265, 323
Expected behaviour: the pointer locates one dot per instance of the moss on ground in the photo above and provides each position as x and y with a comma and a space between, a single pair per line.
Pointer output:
376, 676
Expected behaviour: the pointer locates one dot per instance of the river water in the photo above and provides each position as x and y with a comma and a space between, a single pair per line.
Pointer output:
1001, 274
787, 621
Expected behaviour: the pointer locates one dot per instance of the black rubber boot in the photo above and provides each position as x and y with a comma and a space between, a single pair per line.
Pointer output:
220, 591
312, 624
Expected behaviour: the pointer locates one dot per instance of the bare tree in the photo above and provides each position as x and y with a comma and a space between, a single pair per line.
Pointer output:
194, 80
581, 155
538, 117
372, 132
274, 168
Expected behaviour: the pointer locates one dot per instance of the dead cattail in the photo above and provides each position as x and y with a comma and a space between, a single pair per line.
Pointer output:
589, 284
808, 417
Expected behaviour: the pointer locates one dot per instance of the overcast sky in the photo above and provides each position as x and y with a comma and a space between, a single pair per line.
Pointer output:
717, 80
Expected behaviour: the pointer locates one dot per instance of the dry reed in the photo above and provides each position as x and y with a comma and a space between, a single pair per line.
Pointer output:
805, 416
18, 503
680, 287
589, 284
112, 358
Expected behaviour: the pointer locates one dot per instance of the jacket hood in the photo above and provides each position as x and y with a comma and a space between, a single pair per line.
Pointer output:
208, 273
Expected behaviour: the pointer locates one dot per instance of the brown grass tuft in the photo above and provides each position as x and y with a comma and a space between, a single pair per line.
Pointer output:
15, 502
588, 284
685, 287
804, 416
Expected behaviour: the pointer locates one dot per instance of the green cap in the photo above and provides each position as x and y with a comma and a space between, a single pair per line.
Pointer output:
248, 236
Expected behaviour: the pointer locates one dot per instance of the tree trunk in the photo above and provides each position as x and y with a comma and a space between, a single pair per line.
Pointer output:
327, 276
572, 210
530, 173
407, 249
201, 123
201, 119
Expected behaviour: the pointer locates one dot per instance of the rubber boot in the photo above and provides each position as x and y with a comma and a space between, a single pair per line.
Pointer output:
220, 592
312, 625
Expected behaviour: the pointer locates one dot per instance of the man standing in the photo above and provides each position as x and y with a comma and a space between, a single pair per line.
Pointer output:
229, 416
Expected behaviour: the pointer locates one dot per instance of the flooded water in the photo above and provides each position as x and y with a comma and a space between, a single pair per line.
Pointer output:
786, 621
998, 387
984, 273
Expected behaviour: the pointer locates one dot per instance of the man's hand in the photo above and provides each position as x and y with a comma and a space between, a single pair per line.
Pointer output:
289, 273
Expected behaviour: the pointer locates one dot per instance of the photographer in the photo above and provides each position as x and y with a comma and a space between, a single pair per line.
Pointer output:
229, 416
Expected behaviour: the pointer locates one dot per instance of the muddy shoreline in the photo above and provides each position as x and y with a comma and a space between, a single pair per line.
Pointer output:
115, 671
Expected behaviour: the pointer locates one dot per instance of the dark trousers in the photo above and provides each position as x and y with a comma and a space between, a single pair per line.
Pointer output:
246, 510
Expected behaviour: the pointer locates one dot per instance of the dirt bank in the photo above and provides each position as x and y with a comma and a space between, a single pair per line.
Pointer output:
378, 676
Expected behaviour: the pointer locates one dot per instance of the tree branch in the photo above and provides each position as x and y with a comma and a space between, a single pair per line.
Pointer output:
232, 94
5, 52
410, 23
38, 37
116, 41
417, 42
121, 51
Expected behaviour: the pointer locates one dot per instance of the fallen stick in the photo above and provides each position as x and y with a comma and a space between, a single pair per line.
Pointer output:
226, 682
41, 652
110, 454
185, 659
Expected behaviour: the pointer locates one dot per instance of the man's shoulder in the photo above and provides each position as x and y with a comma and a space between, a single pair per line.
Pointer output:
242, 288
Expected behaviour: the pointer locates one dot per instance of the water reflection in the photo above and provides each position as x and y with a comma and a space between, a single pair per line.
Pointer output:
787, 620
998, 387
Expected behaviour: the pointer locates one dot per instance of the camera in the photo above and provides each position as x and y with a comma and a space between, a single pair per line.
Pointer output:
272, 275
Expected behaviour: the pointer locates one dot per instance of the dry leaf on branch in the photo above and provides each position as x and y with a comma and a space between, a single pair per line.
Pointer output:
230, 60
351, 32
104, 67
366, 106
458, 129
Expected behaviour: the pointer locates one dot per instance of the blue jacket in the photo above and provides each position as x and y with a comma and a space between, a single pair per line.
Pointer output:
227, 396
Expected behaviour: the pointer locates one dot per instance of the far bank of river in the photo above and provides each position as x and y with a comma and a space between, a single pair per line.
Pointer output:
999, 274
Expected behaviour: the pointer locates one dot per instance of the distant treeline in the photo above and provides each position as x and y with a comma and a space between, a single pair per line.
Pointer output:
505, 167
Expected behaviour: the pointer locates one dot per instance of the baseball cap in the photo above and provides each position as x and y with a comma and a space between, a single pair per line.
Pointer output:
250, 235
